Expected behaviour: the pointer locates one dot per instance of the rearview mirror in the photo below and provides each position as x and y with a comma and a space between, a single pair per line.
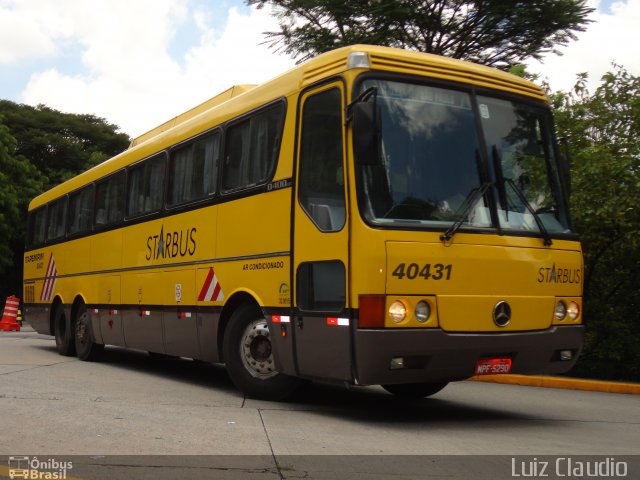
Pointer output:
366, 133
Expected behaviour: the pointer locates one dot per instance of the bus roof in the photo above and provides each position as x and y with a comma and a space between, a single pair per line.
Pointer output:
189, 114
243, 98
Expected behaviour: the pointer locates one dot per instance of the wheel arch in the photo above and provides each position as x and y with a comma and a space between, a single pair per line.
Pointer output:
236, 300
74, 309
52, 312
63, 330
79, 300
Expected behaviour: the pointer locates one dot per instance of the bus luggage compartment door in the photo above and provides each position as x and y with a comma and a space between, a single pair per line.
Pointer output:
180, 327
143, 325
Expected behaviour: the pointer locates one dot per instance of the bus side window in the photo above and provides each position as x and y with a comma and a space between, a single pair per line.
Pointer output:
109, 206
252, 147
80, 211
321, 192
235, 157
37, 226
56, 221
146, 186
193, 170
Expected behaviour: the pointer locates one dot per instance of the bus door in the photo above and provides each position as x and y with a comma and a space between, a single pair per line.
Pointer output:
320, 240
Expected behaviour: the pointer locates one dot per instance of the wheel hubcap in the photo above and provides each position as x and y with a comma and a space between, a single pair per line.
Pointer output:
255, 348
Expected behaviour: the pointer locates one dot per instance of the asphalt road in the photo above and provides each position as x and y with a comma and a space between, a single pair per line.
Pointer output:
132, 416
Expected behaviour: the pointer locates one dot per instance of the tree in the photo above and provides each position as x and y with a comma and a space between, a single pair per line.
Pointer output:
61, 145
39, 148
603, 132
498, 33
19, 182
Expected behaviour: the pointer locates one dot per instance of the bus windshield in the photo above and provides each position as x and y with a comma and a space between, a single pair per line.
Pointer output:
439, 146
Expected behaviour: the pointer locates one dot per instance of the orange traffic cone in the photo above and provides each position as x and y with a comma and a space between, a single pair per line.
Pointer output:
9, 322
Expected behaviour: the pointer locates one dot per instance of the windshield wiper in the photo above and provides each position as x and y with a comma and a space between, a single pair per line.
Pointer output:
502, 193
502, 196
463, 211
543, 230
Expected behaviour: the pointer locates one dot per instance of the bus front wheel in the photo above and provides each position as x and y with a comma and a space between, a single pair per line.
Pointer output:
415, 390
86, 348
249, 358
63, 332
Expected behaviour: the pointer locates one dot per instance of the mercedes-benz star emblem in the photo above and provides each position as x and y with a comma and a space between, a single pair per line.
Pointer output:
502, 314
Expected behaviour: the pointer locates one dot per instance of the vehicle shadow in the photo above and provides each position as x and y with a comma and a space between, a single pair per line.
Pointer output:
177, 369
371, 405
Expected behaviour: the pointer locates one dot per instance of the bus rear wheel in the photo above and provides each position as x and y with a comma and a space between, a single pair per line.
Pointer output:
415, 390
249, 358
63, 332
86, 347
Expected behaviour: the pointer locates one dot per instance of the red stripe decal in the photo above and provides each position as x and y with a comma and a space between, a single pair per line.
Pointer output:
205, 287
216, 292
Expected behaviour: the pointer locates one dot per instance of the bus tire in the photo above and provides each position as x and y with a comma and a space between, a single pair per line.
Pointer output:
415, 390
86, 347
63, 332
249, 358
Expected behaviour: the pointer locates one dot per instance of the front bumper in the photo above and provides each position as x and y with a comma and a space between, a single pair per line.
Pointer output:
433, 355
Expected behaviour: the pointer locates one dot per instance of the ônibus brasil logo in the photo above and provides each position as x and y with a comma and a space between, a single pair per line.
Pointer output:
37, 469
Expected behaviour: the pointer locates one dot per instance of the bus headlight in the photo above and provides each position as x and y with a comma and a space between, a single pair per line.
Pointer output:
573, 310
561, 310
422, 311
397, 311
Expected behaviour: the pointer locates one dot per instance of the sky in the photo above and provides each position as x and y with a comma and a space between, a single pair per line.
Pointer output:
138, 63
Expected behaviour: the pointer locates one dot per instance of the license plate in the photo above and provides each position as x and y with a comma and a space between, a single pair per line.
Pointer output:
493, 366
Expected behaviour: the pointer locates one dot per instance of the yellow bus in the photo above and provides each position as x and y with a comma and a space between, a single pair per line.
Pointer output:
373, 216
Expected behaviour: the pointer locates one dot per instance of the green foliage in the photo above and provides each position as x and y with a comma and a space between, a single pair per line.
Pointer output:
39, 148
61, 145
490, 32
603, 132
19, 182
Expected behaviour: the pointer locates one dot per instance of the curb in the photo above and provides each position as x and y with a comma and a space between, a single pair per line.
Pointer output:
561, 382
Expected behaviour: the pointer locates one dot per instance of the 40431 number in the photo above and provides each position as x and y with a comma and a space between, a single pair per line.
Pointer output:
413, 271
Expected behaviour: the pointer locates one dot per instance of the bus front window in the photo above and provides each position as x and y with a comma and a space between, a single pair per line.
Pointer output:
430, 157
441, 146
520, 152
